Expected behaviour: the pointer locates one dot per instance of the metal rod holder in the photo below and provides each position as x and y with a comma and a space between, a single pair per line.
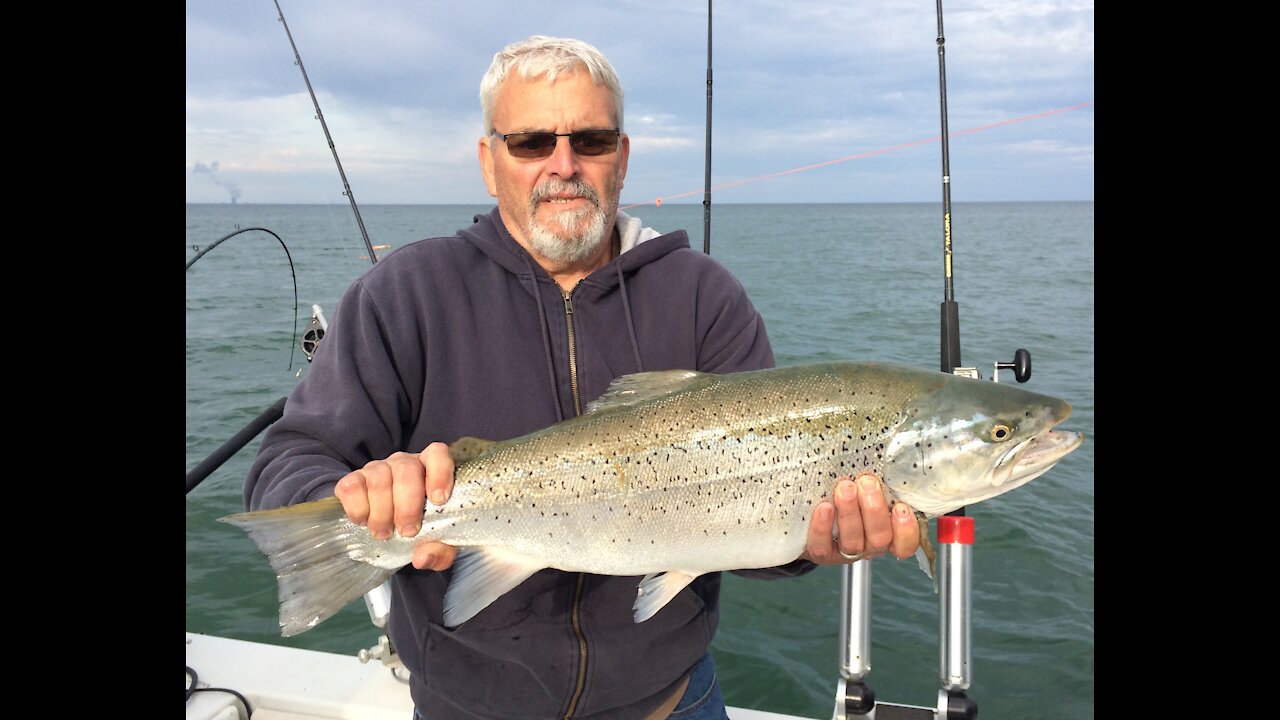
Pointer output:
855, 621
853, 697
955, 571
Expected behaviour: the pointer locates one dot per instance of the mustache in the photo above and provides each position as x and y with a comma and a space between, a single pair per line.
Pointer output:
559, 186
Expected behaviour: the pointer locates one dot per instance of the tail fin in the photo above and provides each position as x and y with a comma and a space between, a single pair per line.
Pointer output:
312, 548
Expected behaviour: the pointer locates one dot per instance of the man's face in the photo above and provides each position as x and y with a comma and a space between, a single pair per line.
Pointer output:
563, 206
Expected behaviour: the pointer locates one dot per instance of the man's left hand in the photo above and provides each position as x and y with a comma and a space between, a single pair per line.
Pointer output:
866, 527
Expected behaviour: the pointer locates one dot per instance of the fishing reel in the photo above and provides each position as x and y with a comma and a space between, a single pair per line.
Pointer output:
314, 333
1021, 367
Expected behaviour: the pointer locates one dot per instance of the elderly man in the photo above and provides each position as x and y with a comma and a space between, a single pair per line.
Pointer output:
513, 324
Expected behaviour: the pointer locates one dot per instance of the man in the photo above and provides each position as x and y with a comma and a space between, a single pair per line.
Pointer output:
512, 325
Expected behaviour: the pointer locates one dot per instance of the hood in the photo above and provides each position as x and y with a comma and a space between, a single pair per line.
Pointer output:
489, 235
638, 245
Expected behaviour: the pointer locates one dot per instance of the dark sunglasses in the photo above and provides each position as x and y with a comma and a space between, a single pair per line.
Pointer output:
538, 145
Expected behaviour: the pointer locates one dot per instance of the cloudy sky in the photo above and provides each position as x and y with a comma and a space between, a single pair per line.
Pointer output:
833, 101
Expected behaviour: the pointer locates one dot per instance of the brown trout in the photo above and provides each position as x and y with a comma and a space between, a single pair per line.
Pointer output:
673, 474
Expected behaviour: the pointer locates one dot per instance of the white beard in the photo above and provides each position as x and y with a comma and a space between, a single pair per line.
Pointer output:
567, 247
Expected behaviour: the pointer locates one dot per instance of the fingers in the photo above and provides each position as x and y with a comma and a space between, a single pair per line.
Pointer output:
359, 494
873, 511
385, 495
391, 494
433, 555
906, 531
355, 500
851, 538
439, 465
863, 523
819, 547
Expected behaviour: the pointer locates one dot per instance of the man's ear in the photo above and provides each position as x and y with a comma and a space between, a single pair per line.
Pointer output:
485, 152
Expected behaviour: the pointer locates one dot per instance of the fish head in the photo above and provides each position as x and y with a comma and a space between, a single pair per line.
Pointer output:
968, 440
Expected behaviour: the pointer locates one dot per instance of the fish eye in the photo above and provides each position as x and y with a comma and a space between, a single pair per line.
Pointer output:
1001, 432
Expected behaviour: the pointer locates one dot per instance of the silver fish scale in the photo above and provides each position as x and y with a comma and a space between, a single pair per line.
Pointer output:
723, 475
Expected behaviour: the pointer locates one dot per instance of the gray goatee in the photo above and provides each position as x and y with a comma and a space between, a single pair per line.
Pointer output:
567, 246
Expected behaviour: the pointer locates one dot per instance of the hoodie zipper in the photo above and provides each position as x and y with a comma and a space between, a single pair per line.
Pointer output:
577, 595
573, 353
582, 649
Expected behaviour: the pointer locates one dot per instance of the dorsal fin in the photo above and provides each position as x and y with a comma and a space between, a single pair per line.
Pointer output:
630, 389
467, 447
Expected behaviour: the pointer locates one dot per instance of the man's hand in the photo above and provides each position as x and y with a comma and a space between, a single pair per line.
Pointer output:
865, 525
388, 494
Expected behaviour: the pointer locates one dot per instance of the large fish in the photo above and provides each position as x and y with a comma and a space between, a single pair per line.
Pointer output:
670, 475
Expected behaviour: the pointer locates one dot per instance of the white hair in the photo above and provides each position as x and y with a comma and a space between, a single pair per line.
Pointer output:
539, 55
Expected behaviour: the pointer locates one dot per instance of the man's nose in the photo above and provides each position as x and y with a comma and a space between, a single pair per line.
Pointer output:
563, 160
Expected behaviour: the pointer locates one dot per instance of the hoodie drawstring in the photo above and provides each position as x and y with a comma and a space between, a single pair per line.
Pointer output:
546, 337
626, 310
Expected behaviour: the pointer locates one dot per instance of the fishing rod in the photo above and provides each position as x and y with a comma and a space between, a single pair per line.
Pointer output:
854, 698
310, 340
378, 600
351, 196
316, 327
706, 193
955, 529
954, 566
950, 359
268, 416
950, 335
232, 446
201, 253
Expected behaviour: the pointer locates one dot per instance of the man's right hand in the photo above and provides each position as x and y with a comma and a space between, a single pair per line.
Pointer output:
392, 493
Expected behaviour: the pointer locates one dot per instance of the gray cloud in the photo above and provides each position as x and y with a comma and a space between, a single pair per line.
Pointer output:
795, 84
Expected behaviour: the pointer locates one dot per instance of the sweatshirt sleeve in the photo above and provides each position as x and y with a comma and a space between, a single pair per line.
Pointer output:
731, 332
348, 410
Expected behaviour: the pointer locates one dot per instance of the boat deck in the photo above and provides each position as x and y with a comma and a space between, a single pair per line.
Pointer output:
284, 683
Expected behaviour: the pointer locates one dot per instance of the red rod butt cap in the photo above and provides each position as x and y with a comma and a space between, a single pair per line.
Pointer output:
957, 529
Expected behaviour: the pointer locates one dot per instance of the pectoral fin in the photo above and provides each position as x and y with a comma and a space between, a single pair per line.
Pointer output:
926, 556
656, 590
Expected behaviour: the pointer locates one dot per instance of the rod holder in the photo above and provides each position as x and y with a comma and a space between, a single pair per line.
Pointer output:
955, 550
853, 697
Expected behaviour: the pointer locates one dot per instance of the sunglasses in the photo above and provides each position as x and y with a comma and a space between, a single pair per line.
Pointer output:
538, 145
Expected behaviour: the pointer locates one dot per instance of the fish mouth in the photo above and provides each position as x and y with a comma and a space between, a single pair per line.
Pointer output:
1033, 457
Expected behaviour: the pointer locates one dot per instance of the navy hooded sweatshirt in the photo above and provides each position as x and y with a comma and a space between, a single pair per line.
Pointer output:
467, 335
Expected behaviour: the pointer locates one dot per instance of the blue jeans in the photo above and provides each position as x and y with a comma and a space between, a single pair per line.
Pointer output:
701, 701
